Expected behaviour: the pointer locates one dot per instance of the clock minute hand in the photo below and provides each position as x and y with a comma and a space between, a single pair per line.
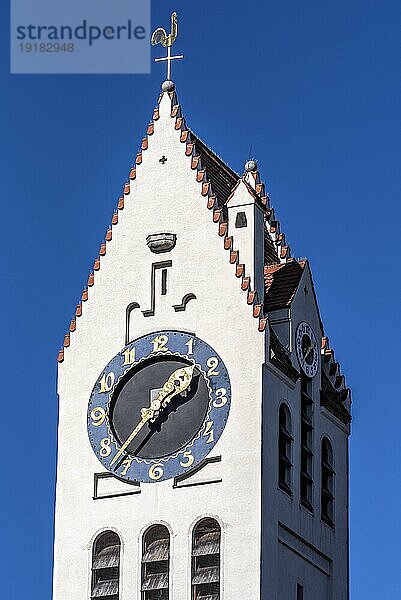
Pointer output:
147, 414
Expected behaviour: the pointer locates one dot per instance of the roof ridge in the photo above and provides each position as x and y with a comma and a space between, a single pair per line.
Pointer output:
207, 147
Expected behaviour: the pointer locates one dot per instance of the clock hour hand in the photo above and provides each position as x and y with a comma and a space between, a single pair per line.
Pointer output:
177, 383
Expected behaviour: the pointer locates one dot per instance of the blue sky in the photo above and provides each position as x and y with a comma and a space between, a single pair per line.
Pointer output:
314, 88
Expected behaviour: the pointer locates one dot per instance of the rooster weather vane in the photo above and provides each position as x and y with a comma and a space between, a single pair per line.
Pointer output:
160, 36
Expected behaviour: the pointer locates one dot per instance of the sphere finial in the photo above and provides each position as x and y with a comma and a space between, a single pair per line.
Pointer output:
251, 166
168, 86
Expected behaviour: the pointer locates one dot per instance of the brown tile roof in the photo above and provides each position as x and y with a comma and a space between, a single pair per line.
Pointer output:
281, 282
221, 177
271, 256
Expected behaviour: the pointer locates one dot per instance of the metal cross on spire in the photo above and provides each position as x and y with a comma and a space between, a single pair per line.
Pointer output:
160, 36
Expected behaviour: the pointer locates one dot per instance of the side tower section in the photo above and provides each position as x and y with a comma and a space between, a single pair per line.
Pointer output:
306, 425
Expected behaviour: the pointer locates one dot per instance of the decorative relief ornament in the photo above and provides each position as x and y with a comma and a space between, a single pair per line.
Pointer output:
159, 407
307, 349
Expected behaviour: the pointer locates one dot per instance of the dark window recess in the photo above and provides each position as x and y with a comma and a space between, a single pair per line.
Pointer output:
240, 220
306, 444
106, 567
284, 450
206, 560
164, 282
300, 592
327, 483
155, 563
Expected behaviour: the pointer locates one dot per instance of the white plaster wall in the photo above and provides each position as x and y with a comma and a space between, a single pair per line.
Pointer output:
164, 198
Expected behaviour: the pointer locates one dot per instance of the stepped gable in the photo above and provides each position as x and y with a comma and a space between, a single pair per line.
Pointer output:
217, 182
335, 395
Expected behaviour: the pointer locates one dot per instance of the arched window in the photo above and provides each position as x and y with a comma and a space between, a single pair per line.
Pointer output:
327, 483
155, 563
206, 560
106, 566
284, 450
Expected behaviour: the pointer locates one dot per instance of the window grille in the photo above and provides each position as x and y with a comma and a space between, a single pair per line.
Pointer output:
285, 440
106, 566
327, 483
306, 444
155, 563
206, 560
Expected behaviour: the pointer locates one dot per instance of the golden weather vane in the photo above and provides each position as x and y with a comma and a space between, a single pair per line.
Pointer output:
160, 36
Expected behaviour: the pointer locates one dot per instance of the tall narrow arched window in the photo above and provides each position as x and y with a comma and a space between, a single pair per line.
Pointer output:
327, 483
206, 560
285, 450
155, 563
106, 566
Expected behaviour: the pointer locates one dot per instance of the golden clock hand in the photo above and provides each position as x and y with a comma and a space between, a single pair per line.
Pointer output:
177, 383
147, 414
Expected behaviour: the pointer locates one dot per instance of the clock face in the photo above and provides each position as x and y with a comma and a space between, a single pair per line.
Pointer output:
307, 349
158, 407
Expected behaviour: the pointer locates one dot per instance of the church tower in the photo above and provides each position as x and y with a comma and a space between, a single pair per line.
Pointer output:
203, 419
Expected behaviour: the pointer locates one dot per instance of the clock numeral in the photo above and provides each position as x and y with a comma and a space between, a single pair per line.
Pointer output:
189, 460
98, 416
156, 471
105, 447
129, 357
127, 462
221, 398
160, 343
209, 432
212, 364
107, 382
190, 344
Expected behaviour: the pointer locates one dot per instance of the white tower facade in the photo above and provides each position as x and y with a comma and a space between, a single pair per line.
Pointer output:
258, 505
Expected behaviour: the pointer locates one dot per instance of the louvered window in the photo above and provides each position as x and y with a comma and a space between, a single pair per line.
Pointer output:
306, 444
155, 563
285, 449
206, 560
327, 483
106, 566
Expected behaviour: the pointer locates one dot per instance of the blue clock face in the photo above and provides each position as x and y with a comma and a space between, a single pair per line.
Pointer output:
159, 407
